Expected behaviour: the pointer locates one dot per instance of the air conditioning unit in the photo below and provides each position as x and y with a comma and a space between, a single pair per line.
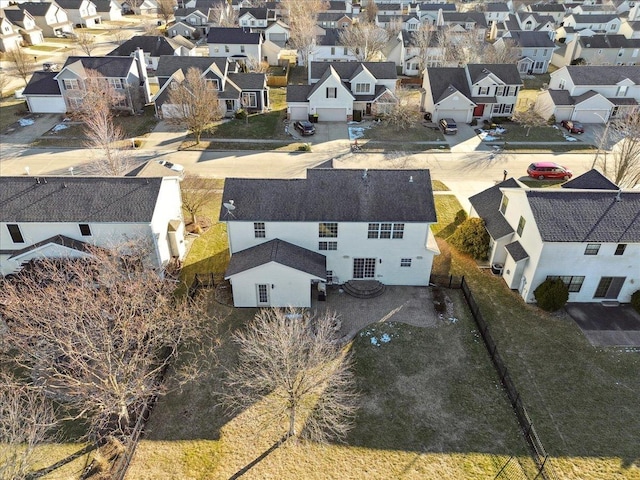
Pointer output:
497, 268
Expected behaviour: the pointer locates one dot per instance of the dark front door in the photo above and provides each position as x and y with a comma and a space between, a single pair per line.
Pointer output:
479, 110
364, 268
367, 109
609, 287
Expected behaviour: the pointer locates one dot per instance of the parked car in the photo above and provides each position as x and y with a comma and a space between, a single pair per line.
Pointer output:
448, 126
173, 166
548, 170
573, 127
305, 127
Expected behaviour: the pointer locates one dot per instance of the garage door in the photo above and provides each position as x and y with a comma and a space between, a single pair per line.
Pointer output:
461, 116
299, 113
332, 114
46, 104
590, 116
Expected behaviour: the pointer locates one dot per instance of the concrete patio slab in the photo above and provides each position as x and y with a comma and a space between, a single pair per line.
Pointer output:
607, 326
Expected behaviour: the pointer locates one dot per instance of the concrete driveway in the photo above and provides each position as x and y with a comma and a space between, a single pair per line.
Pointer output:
607, 326
329, 137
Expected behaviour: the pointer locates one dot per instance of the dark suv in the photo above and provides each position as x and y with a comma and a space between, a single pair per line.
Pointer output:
305, 127
573, 127
448, 126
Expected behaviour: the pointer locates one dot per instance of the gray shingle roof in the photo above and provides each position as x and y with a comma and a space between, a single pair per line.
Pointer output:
568, 215
298, 93
561, 97
154, 45
78, 199
113, 67
508, 73
168, 64
517, 251
532, 39
609, 41
103, 5
603, 75
444, 79
339, 195
281, 252
37, 9
547, 7
233, 36
497, 7
464, 17
249, 81
42, 83
592, 180
593, 19
487, 205
380, 70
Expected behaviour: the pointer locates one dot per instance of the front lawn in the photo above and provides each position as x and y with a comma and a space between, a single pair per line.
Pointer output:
11, 110
416, 133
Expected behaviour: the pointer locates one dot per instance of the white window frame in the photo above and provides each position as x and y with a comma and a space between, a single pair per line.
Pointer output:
71, 84
253, 99
363, 87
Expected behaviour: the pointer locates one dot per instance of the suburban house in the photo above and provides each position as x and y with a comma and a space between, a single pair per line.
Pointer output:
474, 91
237, 43
235, 89
599, 50
555, 10
605, 23
336, 225
402, 51
49, 17
590, 94
431, 12
334, 20
460, 23
82, 13
329, 48
255, 18
630, 29
153, 47
108, 9
59, 217
587, 234
343, 91
496, 12
535, 49
188, 22
21, 23
126, 75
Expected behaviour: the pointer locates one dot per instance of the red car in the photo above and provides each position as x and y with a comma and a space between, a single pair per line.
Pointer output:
548, 170
573, 127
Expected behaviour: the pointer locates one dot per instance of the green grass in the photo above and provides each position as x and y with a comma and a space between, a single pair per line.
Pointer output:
416, 133
537, 82
137, 125
450, 214
438, 186
11, 110
298, 76
518, 133
533, 183
260, 125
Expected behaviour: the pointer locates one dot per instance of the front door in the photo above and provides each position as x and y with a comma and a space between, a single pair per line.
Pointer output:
609, 287
367, 109
479, 110
364, 268
262, 291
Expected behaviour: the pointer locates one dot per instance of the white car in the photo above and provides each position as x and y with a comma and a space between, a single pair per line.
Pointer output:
173, 166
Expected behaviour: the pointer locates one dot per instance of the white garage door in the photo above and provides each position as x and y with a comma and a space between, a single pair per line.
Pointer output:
590, 116
53, 104
332, 114
461, 116
299, 113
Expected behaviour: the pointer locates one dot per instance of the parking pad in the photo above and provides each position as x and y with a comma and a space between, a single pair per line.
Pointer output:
607, 326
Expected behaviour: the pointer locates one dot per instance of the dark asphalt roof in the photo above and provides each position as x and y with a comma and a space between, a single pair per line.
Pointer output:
249, 81
154, 45
37, 9
561, 97
592, 180
464, 17
593, 19
339, 195
609, 41
78, 199
446, 7
233, 36
42, 83
546, 7
14, 15
103, 5
380, 70
281, 252
487, 205
497, 7
532, 39
168, 64
517, 251
444, 81
568, 215
603, 75
508, 73
114, 67
298, 93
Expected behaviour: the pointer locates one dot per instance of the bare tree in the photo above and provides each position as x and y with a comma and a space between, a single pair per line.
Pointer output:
302, 17
196, 192
119, 36
394, 27
529, 118
22, 64
405, 112
292, 370
27, 419
150, 28
506, 53
98, 332
86, 42
364, 41
194, 103
223, 15
622, 164
369, 13
256, 65
460, 48
166, 9
424, 39
4, 82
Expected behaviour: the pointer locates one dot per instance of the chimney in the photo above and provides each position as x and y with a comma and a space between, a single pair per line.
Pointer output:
142, 71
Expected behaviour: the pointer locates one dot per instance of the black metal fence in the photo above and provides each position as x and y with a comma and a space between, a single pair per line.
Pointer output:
446, 281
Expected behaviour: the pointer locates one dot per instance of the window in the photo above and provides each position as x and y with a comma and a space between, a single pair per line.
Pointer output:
622, 90
249, 99
364, 267
538, 66
226, 48
85, 230
214, 83
483, 90
117, 82
333, 51
259, 230
592, 249
502, 109
328, 230
620, 249
521, 224
386, 230
346, 51
14, 231
241, 48
603, 287
562, 84
71, 84
327, 245
405, 262
500, 91
263, 294
503, 205
573, 283
74, 102
330, 277
363, 87
332, 92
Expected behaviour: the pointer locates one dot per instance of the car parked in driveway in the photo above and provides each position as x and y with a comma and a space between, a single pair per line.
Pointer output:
573, 127
448, 126
305, 127
548, 171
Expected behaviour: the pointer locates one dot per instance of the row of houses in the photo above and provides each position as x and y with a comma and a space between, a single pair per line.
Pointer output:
287, 238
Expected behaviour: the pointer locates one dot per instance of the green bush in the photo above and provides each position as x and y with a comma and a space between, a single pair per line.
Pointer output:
551, 295
552, 120
471, 237
305, 147
241, 114
635, 300
461, 216
474, 122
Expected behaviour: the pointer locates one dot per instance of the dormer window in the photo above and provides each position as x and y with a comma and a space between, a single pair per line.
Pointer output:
363, 87
214, 83
71, 84
483, 90
562, 84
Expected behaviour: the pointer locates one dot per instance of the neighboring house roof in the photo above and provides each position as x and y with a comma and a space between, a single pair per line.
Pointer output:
346, 70
497, 7
37, 9
154, 45
609, 41
42, 83
593, 19
487, 205
561, 97
185, 12
257, 13
508, 73
114, 67
331, 37
332, 16
61, 240
281, 252
517, 251
298, 93
465, 17
233, 36
603, 75
445, 7
547, 7
591, 180
168, 64
569, 215
78, 199
528, 39
338, 195
248, 81
444, 81
104, 5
